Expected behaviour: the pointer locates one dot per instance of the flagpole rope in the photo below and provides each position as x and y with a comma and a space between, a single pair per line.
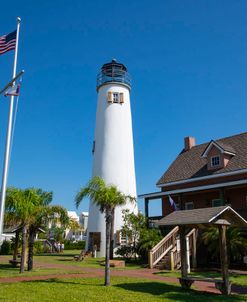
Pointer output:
13, 125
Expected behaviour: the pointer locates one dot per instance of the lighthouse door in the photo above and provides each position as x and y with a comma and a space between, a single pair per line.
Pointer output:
94, 240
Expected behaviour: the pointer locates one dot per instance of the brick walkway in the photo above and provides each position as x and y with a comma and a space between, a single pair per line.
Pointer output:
86, 272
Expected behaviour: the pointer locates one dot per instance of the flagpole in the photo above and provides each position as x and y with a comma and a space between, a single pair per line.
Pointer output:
8, 140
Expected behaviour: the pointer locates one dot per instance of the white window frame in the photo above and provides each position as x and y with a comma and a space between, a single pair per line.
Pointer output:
213, 159
116, 97
188, 205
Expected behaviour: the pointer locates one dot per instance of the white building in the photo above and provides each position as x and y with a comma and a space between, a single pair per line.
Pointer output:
76, 230
83, 220
113, 153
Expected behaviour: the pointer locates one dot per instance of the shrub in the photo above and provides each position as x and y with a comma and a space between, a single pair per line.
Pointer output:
126, 252
6, 248
69, 245
38, 247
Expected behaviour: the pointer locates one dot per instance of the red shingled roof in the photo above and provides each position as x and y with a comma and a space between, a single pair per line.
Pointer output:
190, 164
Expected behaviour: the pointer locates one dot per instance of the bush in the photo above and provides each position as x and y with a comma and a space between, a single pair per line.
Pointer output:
38, 247
69, 245
127, 252
5, 248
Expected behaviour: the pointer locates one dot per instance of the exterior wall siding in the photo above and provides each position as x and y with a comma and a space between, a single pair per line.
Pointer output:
236, 197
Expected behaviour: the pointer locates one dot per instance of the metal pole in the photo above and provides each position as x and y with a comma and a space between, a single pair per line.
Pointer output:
8, 140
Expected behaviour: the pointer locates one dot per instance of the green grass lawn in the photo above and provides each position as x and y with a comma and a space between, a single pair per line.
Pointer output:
66, 259
234, 278
92, 290
123, 289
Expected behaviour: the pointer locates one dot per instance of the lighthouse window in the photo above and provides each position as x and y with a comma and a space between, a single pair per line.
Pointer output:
115, 97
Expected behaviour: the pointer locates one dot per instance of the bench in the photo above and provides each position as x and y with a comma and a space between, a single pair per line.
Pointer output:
15, 263
186, 283
117, 263
80, 257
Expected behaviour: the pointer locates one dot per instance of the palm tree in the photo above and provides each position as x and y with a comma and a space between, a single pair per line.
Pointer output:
22, 203
30, 210
10, 219
40, 218
236, 243
106, 197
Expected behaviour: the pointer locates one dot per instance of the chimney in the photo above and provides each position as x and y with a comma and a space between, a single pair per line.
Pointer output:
189, 142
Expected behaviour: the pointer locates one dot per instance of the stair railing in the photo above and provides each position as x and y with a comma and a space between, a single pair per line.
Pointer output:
162, 248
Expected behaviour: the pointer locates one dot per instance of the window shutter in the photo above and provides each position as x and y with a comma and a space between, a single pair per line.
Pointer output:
110, 100
121, 97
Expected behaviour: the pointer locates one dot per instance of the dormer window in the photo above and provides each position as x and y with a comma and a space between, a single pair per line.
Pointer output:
215, 161
218, 155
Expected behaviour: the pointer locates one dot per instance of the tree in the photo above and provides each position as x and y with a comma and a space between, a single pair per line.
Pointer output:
106, 197
21, 204
133, 224
10, 219
30, 209
236, 243
148, 239
139, 238
42, 214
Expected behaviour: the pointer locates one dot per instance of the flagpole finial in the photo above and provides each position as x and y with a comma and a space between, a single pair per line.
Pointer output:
18, 19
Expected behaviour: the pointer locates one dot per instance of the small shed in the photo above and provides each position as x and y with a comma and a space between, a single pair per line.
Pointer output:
219, 217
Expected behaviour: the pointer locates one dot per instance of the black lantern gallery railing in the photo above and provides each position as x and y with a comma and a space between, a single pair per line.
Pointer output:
113, 72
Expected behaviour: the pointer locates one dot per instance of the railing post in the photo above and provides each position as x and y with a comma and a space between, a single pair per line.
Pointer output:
150, 259
194, 261
188, 253
172, 261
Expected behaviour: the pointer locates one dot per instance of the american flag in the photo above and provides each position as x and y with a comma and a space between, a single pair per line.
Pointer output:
7, 42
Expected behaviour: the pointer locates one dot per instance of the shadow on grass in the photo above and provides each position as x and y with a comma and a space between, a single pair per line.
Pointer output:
65, 281
175, 293
238, 289
8, 266
56, 255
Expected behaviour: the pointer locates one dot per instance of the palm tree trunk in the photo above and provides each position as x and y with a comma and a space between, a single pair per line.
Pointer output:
112, 234
17, 238
32, 234
23, 248
108, 219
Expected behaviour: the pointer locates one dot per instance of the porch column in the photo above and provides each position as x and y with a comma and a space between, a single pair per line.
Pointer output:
146, 201
222, 196
181, 202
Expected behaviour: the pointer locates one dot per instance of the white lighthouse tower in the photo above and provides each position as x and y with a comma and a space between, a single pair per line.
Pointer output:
113, 153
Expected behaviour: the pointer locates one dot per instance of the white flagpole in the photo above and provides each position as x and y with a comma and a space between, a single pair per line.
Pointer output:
8, 140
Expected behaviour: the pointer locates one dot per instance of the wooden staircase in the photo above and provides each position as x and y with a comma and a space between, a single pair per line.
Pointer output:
166, 254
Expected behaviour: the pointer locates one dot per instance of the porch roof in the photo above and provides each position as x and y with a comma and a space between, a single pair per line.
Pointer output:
223, 215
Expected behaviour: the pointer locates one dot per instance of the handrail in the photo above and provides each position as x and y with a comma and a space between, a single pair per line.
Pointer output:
163, 247
169, 244
174, 230
191, 232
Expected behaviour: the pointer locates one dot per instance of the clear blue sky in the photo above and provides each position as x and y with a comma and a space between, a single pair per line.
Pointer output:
188, 61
